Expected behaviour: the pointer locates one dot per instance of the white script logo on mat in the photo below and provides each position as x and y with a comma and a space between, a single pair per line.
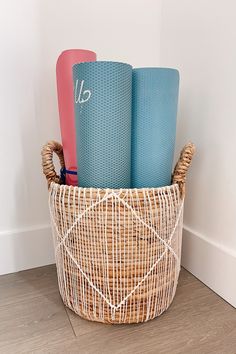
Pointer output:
83, 96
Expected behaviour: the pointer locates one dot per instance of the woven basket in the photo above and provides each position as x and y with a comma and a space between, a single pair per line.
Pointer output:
117, 251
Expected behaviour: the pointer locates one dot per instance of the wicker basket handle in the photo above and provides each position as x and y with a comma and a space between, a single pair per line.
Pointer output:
47, 161
181, 167
179, 174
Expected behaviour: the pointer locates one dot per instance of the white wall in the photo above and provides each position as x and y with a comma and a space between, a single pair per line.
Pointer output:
32, 35
198, 37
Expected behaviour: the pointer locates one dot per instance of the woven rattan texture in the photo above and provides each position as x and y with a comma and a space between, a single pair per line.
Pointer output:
117, 251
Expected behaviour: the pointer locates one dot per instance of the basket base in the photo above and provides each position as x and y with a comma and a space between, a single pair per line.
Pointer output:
85, 316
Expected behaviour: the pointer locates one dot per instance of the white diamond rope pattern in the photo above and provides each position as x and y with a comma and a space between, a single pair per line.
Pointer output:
158, 235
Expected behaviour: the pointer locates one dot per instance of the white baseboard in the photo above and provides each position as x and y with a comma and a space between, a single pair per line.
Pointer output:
25, 248
212, 263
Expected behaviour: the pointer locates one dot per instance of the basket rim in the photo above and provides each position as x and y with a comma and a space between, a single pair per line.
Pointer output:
115, 190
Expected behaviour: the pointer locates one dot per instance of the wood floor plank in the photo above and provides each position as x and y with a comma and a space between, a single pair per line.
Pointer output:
32, 320
56, 341
27, 284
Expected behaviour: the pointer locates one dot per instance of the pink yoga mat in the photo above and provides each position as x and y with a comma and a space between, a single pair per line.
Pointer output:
65, 93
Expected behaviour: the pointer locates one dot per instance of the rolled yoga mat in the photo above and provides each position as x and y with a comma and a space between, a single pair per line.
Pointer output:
66, 105
103, 98
154, 110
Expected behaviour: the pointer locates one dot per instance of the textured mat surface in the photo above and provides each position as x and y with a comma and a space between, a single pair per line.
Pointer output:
154, 109
103, 98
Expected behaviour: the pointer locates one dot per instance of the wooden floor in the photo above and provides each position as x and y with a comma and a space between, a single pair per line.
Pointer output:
34, 320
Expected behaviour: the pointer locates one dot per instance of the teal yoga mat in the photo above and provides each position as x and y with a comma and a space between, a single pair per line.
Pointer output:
154, 110
103, 99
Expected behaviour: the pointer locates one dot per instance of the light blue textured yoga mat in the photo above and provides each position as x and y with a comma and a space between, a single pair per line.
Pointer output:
103, 99
154, 110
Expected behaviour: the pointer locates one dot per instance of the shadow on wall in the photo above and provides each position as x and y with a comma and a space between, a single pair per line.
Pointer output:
38, 116
33, 245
